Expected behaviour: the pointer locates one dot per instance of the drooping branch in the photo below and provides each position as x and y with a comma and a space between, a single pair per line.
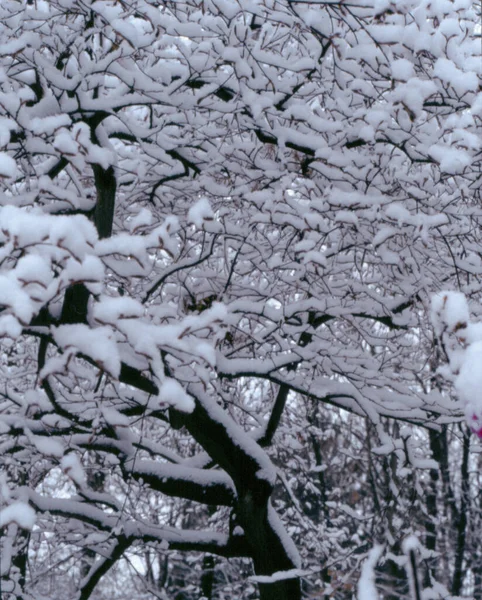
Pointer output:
102, 566
222, 544
205, 486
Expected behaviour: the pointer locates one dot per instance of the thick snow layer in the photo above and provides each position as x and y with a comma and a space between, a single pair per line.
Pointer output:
20, 513
265, 469
48, 446
64, 143
33, 268
109, 310
366, 589
8, 166
143, 218
462, 339
469, 386
36, 397
203, 477
410, 543
49, 124
17, 299
450, 74
10, 327
413, 93
402, 69
451, 160
73, 234
72, 467
90, 270
200, 212
114, 417
473, 333
171, 392
449, 311
99, 344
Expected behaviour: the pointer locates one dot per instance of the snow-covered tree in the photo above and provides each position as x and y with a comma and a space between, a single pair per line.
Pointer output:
221, 226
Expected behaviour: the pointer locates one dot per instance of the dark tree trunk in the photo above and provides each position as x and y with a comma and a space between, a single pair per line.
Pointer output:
431, 504
105, 183
207, 577
267, 548
462, 522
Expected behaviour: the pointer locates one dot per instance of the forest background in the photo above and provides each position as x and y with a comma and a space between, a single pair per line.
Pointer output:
240, 299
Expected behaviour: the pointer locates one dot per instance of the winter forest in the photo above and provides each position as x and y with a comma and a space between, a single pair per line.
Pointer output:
240, 300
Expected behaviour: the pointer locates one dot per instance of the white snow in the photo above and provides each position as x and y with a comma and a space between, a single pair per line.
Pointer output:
73, 234
346, 216
450, 74
473, 333
124, 245
171, 392
469, 386
366, 589
8, 166
36, 397
203, 477
64, 143
410, 543
313, 256
73, 468
142, 218
201, 211
451, 160
288, 544
99, 344
402, 69
111, 309
281, 575
413, 93
90, 270
49, 124
48, 446
33, 268
449, 311
15, 298
20, 513
463, 343
399, 213
382, 235
114, 417
10, 327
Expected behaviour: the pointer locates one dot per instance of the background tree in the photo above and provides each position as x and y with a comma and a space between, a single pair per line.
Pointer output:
221, 227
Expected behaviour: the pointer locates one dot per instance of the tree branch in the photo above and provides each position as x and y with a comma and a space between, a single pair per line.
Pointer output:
100, 568
204, 486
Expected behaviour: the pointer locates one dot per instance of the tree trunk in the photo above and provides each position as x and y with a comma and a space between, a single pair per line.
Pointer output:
462, 523
231, 448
